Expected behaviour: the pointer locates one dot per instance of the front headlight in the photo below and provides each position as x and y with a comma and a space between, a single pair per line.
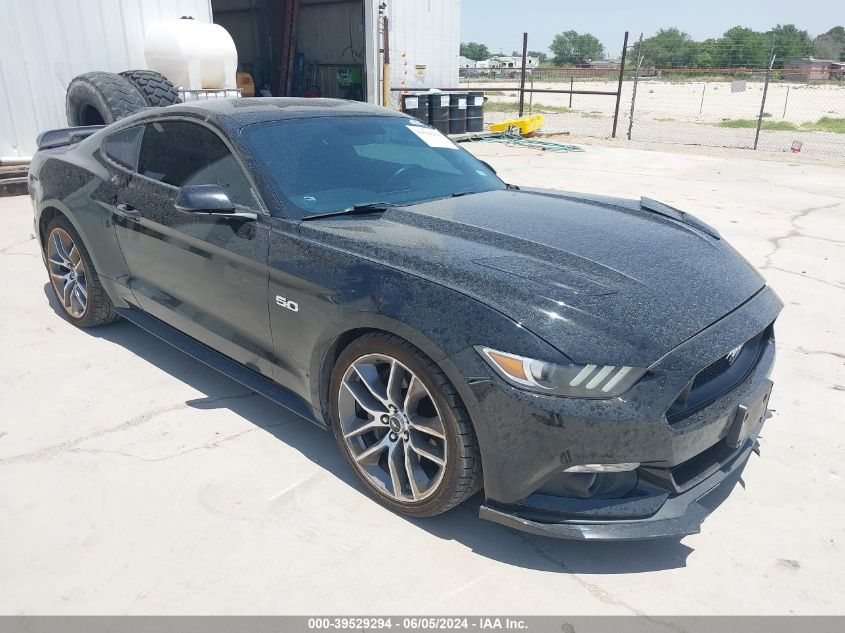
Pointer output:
578, 381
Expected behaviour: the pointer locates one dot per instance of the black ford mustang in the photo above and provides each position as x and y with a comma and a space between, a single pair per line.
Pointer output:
605, 360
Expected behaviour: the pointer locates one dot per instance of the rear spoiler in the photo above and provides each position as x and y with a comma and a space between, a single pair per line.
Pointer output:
66, 136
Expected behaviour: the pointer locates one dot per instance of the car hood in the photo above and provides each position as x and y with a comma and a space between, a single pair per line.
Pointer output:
605, 281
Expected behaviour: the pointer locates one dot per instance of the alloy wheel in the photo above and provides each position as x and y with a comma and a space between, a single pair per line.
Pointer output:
392, 428
67, 272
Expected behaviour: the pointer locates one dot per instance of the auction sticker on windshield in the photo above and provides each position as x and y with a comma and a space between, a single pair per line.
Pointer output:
432, 137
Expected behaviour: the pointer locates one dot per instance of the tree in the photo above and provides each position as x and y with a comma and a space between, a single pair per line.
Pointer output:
667, 48
789, 42
571, 47
742, 47
705, 54
830, 45
474, 50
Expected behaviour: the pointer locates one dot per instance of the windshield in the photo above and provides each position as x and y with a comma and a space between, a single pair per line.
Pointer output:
326, 164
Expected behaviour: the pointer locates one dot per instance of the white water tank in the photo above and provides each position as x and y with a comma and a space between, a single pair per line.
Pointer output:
192, 55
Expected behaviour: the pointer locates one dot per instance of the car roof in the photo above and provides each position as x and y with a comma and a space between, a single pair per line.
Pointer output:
248, 110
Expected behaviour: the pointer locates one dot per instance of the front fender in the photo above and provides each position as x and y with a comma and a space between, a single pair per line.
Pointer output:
350, 296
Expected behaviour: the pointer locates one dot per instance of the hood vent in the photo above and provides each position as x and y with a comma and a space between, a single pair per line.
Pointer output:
670, 212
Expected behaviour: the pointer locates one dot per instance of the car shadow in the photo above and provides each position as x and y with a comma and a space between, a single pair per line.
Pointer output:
462, 524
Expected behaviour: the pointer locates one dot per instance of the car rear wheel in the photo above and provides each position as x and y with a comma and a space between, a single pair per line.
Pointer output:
402, 427
72, 276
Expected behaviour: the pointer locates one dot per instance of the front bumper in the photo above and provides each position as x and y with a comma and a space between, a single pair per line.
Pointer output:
528, 440
678, 516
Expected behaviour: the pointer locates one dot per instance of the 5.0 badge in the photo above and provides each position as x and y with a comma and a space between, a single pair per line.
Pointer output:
293, 306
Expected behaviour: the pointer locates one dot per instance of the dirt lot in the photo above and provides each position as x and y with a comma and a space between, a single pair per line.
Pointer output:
135, 480
689, 112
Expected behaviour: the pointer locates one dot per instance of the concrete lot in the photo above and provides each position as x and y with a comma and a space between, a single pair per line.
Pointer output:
135, 480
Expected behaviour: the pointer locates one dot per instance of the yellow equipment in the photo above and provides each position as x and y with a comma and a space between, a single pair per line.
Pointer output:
527, 125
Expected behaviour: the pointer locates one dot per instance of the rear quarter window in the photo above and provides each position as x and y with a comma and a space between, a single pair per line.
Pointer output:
124, 146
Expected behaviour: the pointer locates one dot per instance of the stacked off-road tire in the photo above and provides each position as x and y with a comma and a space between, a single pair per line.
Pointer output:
157, 90
100, 98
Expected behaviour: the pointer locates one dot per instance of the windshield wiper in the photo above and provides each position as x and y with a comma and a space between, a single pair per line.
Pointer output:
356, 209
458, 194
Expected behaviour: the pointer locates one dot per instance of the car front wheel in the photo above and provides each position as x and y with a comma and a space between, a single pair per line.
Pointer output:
402, 427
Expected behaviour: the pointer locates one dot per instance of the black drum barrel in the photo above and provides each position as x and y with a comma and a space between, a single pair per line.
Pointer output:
422, 112
410, 104
438, 111
457, 113
475, 111
415, 105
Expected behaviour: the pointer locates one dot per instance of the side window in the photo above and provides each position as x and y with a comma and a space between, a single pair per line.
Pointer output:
122, 147
181, 153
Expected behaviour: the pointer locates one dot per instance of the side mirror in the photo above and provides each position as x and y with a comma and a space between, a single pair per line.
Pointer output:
211, 199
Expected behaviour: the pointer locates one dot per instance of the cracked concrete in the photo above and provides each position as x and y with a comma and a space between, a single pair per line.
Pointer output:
795, 231
6, 249
73, 444
135, 480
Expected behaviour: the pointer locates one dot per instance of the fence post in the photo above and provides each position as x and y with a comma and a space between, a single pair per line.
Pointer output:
531, 97
522, 78
786, 101
619, 87
763, 102
636, 81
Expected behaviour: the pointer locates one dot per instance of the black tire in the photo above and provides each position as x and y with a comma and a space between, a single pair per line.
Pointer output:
156, 88
462, 476
100, 98
98, 309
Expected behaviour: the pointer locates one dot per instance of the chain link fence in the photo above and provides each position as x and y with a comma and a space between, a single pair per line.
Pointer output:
725, 106
577, 101
796, 108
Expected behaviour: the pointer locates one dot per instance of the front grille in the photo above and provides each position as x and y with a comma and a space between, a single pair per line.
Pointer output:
719, 378
711, 372
696, 469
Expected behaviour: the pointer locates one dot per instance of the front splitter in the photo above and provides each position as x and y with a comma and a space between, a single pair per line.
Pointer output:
681, 515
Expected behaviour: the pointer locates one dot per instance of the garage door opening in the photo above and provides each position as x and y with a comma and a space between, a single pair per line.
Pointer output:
314, 48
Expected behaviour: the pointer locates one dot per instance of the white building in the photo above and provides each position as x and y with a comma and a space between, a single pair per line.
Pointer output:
466, 62
508, 61
45, 43
514, 61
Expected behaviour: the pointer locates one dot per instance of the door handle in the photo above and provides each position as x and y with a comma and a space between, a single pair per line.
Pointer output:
128, 211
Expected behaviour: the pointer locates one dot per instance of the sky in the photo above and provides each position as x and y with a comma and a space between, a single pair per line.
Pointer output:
500, 23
